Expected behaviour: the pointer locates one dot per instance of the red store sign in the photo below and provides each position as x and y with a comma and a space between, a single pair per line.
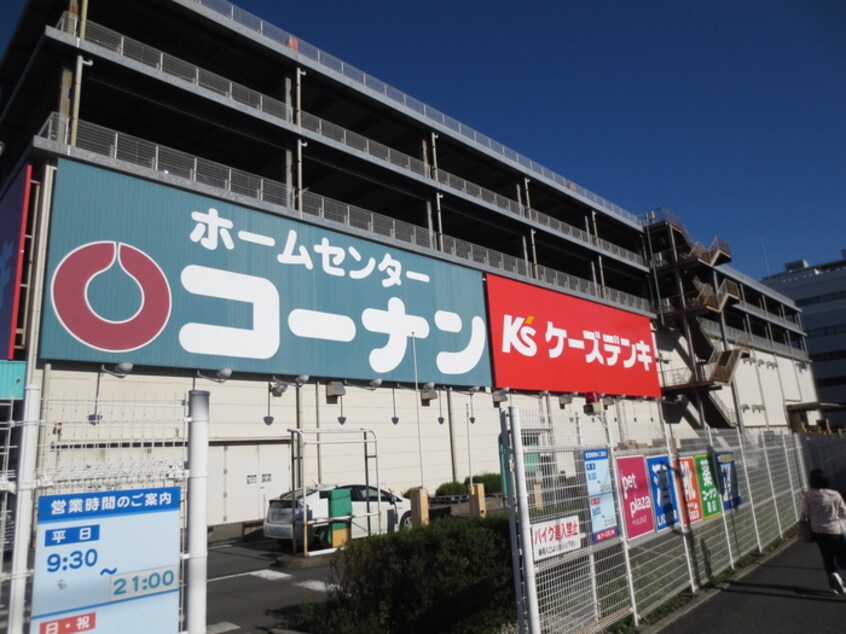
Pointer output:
544, 340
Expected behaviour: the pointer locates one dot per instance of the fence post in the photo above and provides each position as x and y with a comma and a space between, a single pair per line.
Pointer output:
525, 523
507, 470
198, 476
740, 442
723, 515
624, 541
772, 486
24, 502
681, 498
790, 477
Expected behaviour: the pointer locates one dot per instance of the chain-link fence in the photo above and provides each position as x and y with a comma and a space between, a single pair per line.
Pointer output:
85, 448
610, 526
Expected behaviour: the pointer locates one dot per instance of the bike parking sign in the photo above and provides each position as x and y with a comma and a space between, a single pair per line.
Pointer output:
107, 562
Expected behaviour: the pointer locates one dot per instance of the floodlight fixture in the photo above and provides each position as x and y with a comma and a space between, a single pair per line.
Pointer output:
370, 385
564, 400
428, 393
221, 376
277, 388
500, 395
120, 370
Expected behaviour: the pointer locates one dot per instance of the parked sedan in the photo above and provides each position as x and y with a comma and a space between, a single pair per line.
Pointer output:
284, 519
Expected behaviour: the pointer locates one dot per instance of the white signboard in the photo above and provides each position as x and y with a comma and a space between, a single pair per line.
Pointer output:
555, 537
107, 562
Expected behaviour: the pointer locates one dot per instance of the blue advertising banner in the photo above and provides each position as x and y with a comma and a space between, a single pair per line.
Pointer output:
726, 469
13, 214
603, 516
662, 484
158, 276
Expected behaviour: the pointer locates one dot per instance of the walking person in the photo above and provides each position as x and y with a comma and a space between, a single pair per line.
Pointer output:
824, 507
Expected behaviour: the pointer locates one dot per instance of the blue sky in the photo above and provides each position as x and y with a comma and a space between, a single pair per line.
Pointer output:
732, 113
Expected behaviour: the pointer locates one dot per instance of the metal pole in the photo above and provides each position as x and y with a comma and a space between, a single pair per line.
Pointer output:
452, 447
534, 254
300, 145
525, 524
678, 487
198, 480
317, 428
83, 19
789, 476
417, 408
741, 444
440, 220
612, 455
77, 93
24, 502
299, 96
506, 456
469, 455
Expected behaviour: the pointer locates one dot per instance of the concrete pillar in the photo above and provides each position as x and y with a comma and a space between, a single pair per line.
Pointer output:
478, 508
419, 507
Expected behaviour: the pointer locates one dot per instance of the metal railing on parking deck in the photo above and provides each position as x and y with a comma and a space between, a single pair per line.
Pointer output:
223, 87
118, 146
264, 29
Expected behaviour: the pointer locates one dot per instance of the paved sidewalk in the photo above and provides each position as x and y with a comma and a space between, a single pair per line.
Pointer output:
786, 592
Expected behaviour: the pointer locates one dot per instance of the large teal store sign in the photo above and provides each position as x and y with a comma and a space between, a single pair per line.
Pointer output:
162, 277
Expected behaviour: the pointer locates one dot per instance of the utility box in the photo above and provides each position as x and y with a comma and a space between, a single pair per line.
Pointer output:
340, 505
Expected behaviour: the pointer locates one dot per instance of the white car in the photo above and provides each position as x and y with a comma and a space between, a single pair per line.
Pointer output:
284, 518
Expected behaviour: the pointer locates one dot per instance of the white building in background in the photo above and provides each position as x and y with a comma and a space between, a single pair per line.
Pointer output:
201, 194
820, 291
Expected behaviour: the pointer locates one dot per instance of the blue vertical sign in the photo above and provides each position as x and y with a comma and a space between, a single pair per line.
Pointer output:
726, 469
107, 562
603, 517
662, 484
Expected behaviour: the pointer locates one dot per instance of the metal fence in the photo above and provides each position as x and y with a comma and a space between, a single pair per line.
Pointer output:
86, 446
584, 562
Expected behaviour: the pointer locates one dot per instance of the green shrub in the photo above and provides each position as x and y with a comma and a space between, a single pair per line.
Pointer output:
492, 482
453, 576
451, 488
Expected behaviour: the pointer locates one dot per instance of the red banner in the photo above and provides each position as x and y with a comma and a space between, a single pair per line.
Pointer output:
543, 340
635, 499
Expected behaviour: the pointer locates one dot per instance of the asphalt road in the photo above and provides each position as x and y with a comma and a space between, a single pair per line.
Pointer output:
251, 585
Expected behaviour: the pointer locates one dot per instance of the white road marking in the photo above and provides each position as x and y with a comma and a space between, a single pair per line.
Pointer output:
317, 586
270, 575
223, 626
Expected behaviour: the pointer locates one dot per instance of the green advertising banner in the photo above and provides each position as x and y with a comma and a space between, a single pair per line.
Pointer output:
158, 276
709, 493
